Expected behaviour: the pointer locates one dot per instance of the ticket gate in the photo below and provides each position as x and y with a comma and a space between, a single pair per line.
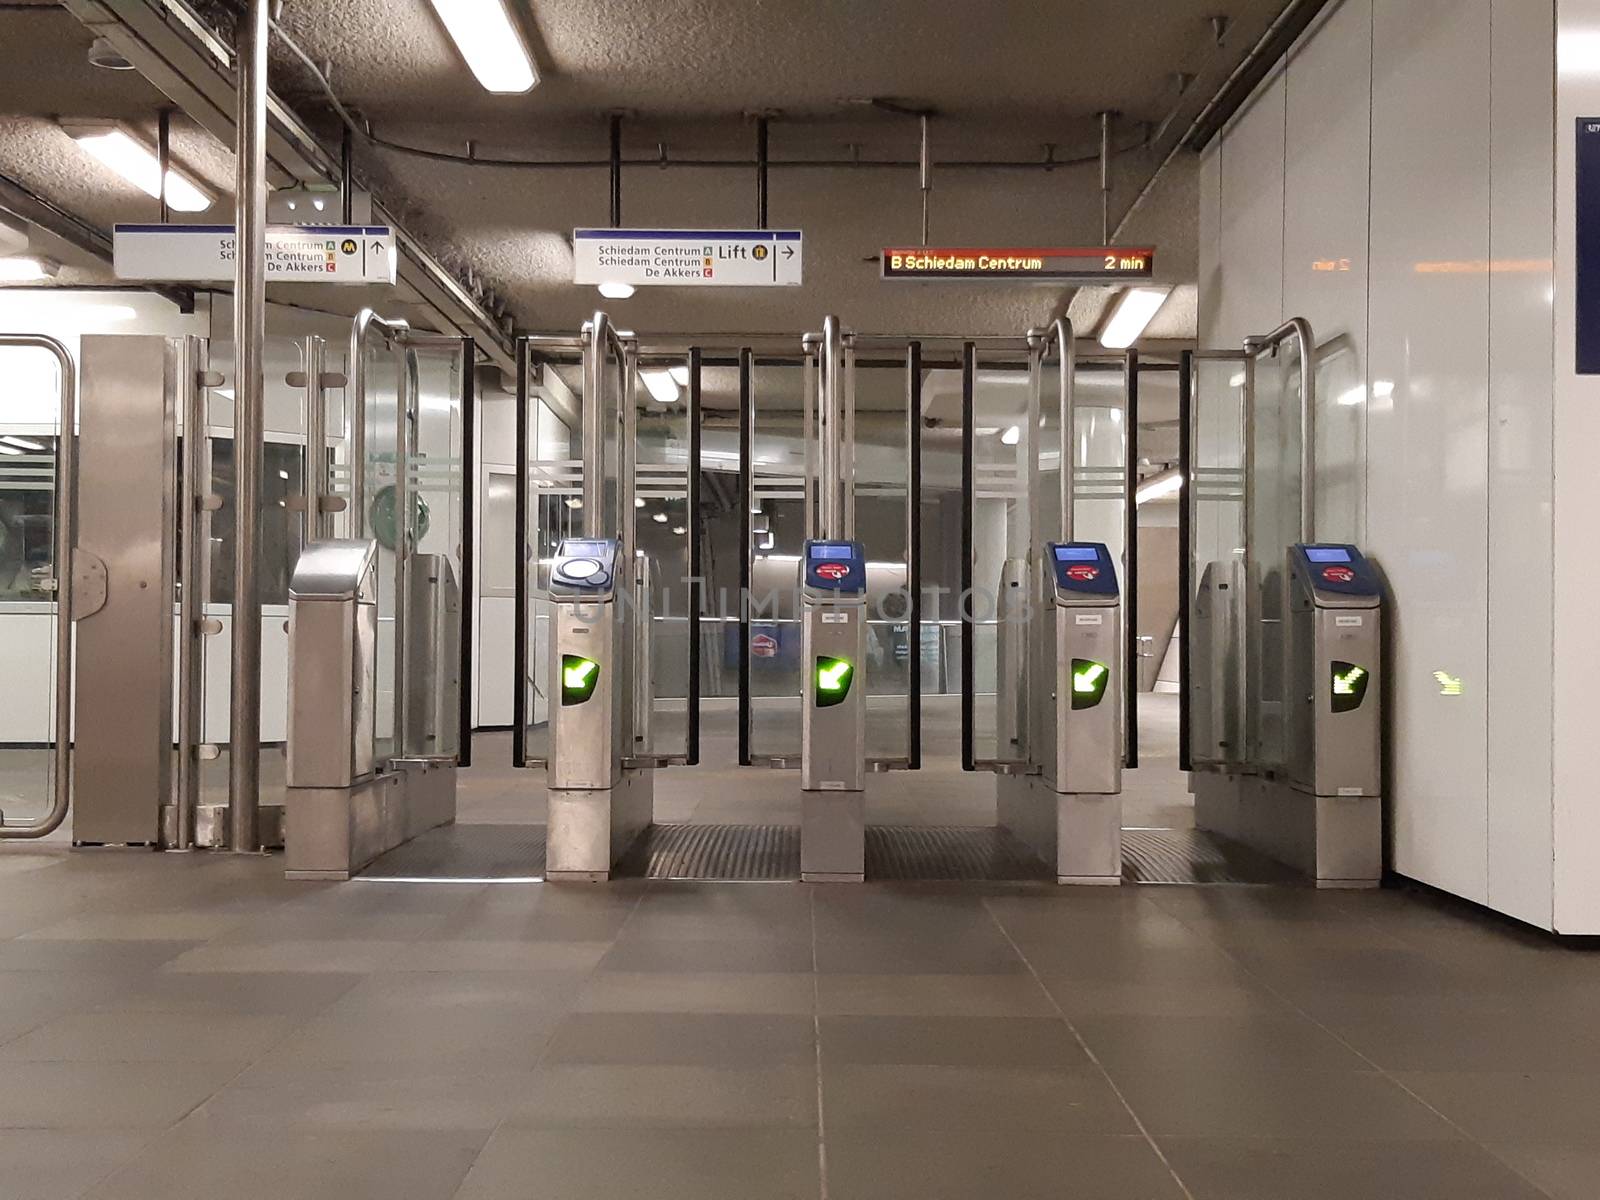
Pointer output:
833, 599
599, 799
1070, 811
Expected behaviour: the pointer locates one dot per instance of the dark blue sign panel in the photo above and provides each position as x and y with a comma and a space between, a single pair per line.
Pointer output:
1588, 308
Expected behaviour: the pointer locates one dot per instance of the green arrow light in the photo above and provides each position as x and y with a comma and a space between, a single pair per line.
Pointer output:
1349, 686
578, 678
1089, 680
834, 676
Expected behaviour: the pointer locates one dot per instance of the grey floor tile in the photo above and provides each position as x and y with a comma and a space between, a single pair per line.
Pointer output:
256, 993
440, 954
900, 912
1122, 960
72, 954
684, 1039
449, 991
55, 1164
1560, 1172
138, 926
977, 1098
571, 1096
705, 992
1156, 1001
982, 953
481, 1037
1030, 1043
1193, 1043
1516, 1106
766, 956
356, 1097
201, 1160
1259, 1169
290, 954
1343, 1105
935, 995
1461, 1040
148, 1037
959, 1165
105, 1096
650, 1164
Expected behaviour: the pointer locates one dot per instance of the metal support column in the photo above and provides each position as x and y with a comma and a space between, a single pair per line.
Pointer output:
696, 557
469, 492
249, 343
746, 492
163, 161
914, 550
969, 372
1130, 599
1186, 502
525, 562
761, 172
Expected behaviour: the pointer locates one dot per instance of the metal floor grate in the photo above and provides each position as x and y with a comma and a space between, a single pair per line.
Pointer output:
466, 853
1190, 856
713, 853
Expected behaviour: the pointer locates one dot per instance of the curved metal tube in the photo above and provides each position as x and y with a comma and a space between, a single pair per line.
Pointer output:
828, 379
1299, 329
1064, 333
355, 408
65, 539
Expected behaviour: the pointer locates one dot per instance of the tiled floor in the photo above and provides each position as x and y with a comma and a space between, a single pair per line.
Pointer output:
195, 1028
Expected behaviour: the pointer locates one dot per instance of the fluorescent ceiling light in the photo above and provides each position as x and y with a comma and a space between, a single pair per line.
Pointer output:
660, 518
136, 162
1158, 487
661, 386
1354, 397
26, 269
490, 42
574, 502
638, 501
680, 530
616, 290
5, 449
1383, 389
680, 376
1012, 436
21, 443
1132, 316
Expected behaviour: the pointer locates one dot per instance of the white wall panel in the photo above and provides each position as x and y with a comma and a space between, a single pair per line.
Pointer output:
1327, 147
1428, 446
1250, 296
1577, 483
1210, 188
1521, 493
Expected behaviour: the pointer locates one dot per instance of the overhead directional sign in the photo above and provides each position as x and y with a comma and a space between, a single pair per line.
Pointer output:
1001, 263
355, 254
688, 257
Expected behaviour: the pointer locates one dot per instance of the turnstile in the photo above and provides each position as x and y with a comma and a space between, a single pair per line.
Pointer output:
599, 800
833, 606
1066, 802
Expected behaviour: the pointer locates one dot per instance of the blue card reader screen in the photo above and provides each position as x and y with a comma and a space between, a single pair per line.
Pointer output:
1327, 554
831, 550
586, 549
1077, 554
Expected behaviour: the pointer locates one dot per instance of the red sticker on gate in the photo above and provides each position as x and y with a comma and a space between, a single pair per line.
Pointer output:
1083, 574
833, 571
1338, 574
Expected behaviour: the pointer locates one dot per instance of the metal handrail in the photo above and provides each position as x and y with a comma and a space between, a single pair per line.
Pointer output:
65, 540
355, 408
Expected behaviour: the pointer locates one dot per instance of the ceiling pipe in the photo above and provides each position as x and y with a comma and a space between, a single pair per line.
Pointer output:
761, 172
163, 160
925, 166
615, 163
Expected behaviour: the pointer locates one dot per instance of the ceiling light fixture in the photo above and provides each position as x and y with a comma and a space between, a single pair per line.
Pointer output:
661, 386
21, 443
1158, 487
490, 42
615, 289
680, 376
1132, 316
5, 449
660, 518
136, 162
27, 269
638, 501
1012, 436
680, 530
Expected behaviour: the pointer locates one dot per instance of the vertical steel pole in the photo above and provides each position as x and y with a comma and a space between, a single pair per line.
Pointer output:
969, 374
616, 171
164, 159
249, 387
925, 165
1186, 584
315, 480
525, 562
469, 533
1130, 603
914, 551
696, 558
594, 427
1105, 178
191, 593
347, 177
761, 172
830, 433
747, 415
1067, 343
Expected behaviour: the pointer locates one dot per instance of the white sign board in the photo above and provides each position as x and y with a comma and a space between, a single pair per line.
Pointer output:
688, 257
358, 254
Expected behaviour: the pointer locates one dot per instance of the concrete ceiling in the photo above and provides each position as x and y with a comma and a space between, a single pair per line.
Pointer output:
1004, 79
